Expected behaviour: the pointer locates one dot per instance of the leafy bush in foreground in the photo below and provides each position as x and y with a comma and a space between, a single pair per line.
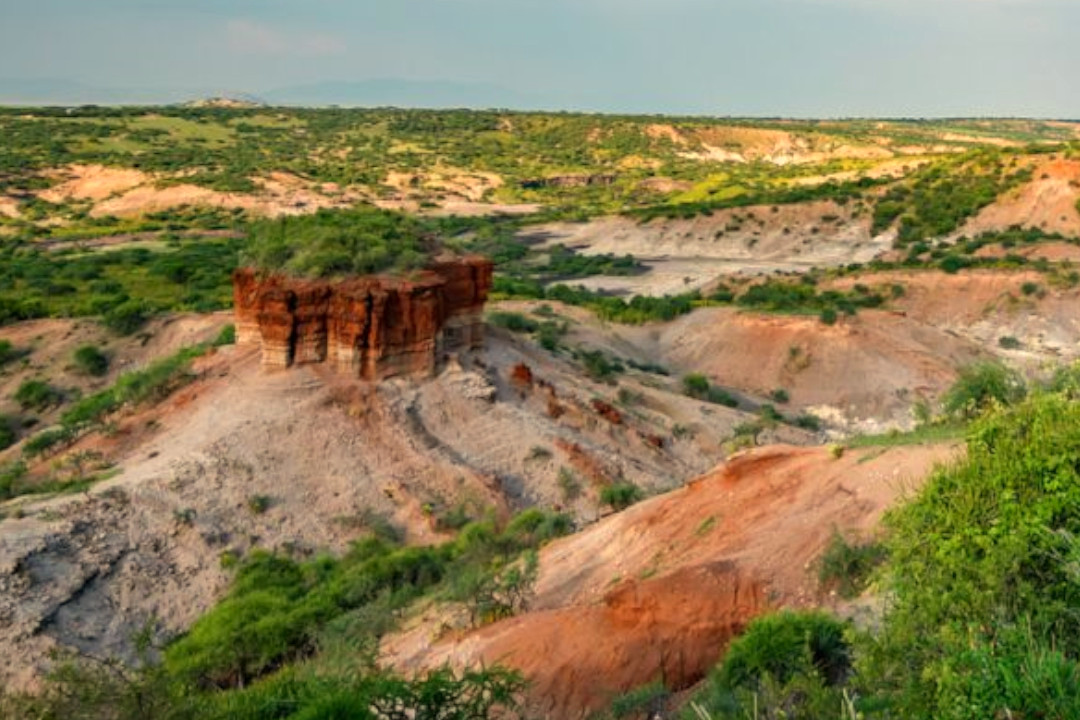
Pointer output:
789, 662
982, 592
983, 573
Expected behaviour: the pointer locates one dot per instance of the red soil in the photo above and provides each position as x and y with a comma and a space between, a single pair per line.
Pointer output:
658, 590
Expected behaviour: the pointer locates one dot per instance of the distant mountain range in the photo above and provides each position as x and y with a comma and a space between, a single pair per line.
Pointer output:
361, 93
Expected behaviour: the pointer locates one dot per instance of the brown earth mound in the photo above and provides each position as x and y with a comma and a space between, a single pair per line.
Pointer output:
92, 182
982, 306
864, 372
658, 590
1048, 203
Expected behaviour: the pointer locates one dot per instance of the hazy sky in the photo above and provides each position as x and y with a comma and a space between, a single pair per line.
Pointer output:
727, 57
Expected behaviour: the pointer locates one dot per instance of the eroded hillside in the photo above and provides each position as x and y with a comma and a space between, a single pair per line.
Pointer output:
709, 348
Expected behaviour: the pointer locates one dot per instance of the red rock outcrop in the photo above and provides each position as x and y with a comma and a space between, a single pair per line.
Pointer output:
522, 376
607, 411
372, 327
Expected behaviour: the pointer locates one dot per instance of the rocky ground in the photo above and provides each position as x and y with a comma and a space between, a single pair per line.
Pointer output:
301, 461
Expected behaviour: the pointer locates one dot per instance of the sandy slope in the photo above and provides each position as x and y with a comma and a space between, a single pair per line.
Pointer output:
689, 254
1048, 202
88, 570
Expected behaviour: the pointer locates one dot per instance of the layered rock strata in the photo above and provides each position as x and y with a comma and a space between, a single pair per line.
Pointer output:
372, 327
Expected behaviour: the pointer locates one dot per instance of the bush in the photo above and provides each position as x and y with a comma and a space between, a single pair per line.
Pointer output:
648, 700
126, 318
569, 485
847, 566
695, 385
770, 414
227, 336
91, 361
598, 367
784, 644
719, 396
259, 504
828, 316
492, 595
512, 321
46, 440
620, 496
7, 352
981, 386
7, 432
36, 395
327, 243
780, 395
982, 576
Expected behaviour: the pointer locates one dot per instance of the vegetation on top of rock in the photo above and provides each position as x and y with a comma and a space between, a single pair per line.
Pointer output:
362, 241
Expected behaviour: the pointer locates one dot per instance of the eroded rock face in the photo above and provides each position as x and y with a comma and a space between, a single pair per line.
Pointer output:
372, 327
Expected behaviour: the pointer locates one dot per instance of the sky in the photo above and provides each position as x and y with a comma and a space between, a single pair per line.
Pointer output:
807, 58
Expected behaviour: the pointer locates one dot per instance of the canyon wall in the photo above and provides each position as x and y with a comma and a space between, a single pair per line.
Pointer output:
372, 327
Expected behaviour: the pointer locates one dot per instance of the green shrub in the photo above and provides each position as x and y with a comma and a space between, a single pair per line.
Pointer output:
328, 243
647, 700
126, 318
828, 316
227, 336
598, 367
846, 566
780, 644
620, 496
7, 352
569, 485
494, 594
11, 477
780, 395
1008, 342
982, 575
695, 385
7, 432
259, 504
45, 441
981, 386
36, 395
719, 396
512, 321
91, 361
152, 383
770, 414
278, 608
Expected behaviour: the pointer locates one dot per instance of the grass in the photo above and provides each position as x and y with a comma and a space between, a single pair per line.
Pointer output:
925, 435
